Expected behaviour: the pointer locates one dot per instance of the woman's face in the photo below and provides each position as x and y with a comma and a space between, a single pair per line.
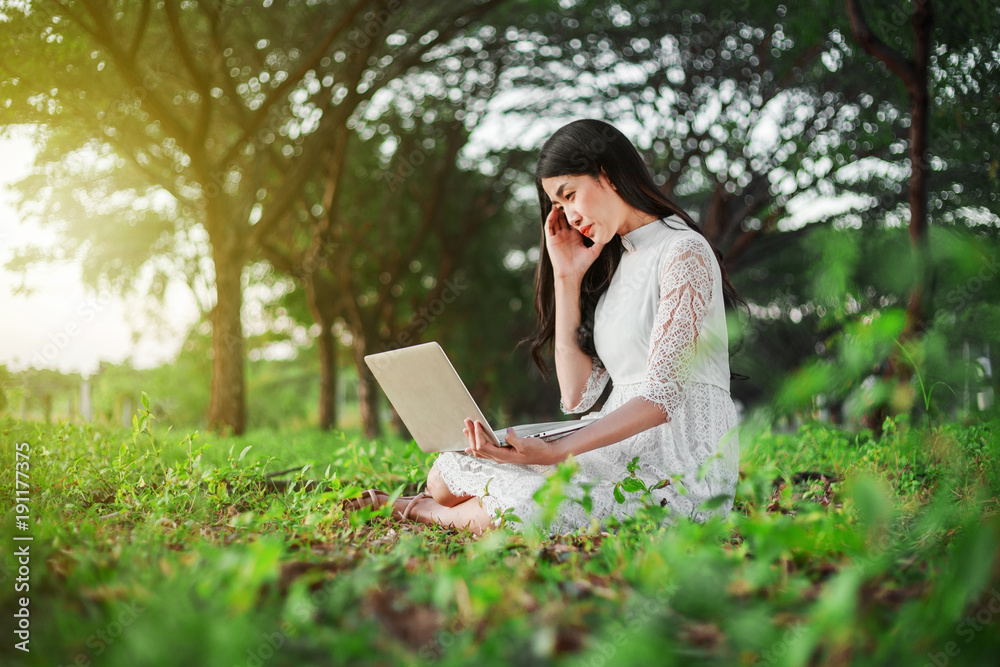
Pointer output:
590, 205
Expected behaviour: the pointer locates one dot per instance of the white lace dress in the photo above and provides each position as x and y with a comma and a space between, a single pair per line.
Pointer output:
660, 333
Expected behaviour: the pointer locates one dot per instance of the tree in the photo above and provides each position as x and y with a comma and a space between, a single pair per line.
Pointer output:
197, 117
913, 72
6, 381
341, 220
698, 89
944, 64
392, 256
694, 88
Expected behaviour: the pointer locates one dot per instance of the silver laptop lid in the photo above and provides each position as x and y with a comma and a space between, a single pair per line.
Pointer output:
431, 399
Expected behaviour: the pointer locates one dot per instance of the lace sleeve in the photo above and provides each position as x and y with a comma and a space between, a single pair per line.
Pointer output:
592, 391
685, 291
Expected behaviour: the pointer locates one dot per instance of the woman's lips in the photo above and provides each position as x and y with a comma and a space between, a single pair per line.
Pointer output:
586, 230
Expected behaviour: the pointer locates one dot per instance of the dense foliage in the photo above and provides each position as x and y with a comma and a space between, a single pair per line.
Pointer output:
155, 547
366, 167
352, 159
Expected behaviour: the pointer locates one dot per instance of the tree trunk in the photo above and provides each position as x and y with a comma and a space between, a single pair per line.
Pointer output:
227, 404
913, 73
327, 377
898, 369
918, 94
368, 402
399, 427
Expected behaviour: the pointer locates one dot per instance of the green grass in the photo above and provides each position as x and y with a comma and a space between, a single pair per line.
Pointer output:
159, 548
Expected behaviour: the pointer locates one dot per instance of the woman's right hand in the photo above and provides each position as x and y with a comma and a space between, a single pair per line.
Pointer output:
569, 256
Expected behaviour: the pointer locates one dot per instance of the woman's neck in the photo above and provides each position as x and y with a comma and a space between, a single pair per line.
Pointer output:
634, 220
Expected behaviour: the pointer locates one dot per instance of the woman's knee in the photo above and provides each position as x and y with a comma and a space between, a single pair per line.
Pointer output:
440, 491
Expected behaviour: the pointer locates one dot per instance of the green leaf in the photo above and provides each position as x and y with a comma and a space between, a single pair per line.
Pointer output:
633, 485
244, 452
633, 465
619, 496
873, 504
715, 502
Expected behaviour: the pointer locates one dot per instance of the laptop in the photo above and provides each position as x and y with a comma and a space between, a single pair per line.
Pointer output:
433, 402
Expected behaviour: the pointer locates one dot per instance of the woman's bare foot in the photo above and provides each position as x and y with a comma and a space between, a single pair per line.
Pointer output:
466, 514
423, 508
376, 499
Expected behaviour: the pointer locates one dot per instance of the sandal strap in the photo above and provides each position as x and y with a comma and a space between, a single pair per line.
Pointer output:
413, 501
356, 504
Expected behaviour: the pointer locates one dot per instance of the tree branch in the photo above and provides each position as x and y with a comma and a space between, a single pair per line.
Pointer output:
141, 31
260, 115
863, 34
127, 67
280, 260
218, 65
431, 208
201, 82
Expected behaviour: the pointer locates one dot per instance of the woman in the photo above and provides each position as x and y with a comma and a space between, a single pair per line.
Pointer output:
629, 292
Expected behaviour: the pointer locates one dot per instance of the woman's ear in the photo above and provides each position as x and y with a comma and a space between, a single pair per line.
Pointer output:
604, 175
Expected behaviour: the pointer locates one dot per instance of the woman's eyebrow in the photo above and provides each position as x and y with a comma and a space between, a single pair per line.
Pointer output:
559, 192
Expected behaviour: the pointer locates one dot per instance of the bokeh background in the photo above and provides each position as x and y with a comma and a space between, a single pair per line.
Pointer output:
227, 204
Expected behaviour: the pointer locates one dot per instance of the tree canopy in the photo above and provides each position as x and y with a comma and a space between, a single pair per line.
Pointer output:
341, 150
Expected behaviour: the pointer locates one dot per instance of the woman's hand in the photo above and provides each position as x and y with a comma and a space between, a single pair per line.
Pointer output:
522, 450
569, 256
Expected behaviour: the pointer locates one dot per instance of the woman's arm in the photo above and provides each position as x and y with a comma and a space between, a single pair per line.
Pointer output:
573, 365
686, 280
635, 416
570, 260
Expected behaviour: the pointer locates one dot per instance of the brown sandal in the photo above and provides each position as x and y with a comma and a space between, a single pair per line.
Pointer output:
355, 504
413, 501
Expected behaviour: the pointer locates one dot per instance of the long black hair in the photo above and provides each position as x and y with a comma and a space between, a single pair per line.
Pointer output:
586, 147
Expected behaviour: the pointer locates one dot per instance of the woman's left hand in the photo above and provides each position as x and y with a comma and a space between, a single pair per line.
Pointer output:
521, 450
